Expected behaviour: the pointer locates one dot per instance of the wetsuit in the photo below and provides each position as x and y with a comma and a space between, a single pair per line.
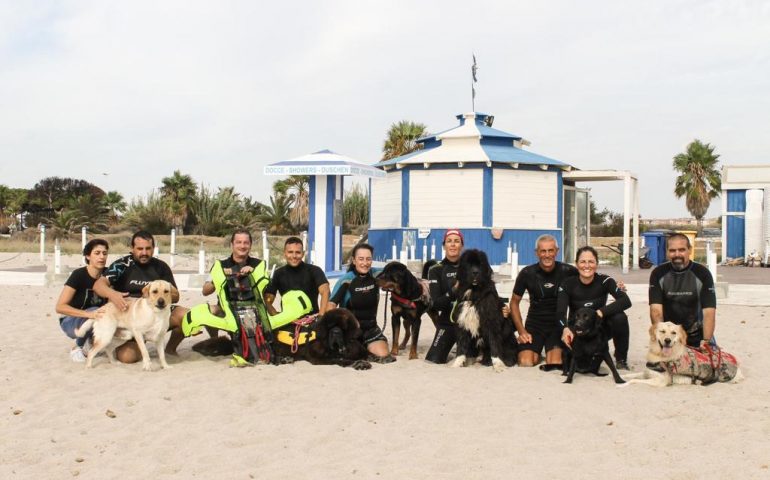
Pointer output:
127, 275
542, 322
684, 294
359, 294
574, 294
304, 277
442, 278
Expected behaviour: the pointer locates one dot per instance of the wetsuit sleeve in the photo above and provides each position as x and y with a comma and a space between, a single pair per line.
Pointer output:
441, 300
520, 286
318, 277
621, 303
272, 287
708, 297
562, 305
165, 273
340, 291
655, 294
115, 271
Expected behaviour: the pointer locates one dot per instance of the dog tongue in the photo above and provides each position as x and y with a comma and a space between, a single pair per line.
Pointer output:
666, 351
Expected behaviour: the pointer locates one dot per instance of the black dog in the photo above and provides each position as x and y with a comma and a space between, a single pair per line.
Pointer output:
479, 317
334, 339
408, 301
589, 347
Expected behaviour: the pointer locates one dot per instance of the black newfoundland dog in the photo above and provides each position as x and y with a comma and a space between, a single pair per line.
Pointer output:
409, 299
589, 347
478, 315
333, 339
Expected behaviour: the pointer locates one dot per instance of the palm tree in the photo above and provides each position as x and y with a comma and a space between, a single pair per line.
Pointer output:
275, 216
179, 190
114, 202
699, 180
296, 189
402, 139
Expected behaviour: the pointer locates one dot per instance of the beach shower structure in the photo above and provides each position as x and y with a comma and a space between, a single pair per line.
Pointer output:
482, 180
327, 171
746, 211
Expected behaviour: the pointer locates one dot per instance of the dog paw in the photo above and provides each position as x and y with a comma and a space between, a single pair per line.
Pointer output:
166, 366
147, 367
361, 365
498, 365
285, 360
459, 362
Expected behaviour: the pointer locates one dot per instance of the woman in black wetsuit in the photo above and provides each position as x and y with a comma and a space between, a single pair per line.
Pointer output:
358, 292
590, 289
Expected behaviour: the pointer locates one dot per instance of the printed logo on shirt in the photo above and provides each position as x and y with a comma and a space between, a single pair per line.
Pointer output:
588, 304
549, 285
139, 282
364, 289
451, 275
679, 294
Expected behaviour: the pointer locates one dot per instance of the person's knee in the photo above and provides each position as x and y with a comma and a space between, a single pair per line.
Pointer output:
378, 348
128, 353
528, 358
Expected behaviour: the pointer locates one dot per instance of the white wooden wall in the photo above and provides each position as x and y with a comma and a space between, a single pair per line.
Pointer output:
386, 201
442, 198
524, 199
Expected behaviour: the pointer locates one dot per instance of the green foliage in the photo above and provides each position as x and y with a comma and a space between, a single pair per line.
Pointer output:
218, 214
179, 192
152, 214
355, 208
296, 190
699, 179
53, 193
402, 139
115, 204
275, 217
65, 222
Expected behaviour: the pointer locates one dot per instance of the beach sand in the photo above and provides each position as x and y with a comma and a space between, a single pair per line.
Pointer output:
409, 419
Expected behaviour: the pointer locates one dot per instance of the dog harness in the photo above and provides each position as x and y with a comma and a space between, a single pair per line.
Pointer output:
412, 304
712, 366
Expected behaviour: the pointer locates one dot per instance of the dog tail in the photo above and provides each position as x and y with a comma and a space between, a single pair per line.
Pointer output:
84, 328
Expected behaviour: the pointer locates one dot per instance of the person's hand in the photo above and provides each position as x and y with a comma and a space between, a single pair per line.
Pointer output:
506, 311
99, 312
245, 271
705, 345
525, 337
567, 336
119, 299
622, 286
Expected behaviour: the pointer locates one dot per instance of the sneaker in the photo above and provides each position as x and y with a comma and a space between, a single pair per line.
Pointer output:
622, 364
77, 355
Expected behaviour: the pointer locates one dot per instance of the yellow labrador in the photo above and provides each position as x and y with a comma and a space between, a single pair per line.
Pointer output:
682, 364
146, 318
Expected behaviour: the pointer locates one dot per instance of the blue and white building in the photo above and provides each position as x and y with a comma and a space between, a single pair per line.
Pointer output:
482, 181
745, 211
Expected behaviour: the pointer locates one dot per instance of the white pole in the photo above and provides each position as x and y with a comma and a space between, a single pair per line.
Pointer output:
402, 257
514, 262
312, 253
393, 251
433, 249
156, 253
265, 249
56, 257
425, 251
42, 243
711, 260
635, 224
509, 253
172, 251
201, 260
304, 245
412, 252
626, 221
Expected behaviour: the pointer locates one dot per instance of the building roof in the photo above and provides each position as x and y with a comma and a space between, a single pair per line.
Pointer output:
323, 162
473, 141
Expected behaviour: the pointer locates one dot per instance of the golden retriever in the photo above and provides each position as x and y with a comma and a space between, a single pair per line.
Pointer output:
146, 317
682, 364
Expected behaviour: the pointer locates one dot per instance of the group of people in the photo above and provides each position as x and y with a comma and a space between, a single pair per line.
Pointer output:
681, 291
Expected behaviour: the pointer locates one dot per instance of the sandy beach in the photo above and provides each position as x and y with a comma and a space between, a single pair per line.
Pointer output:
409, 419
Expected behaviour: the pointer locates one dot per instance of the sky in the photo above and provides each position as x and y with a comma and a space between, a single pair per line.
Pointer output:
121, 94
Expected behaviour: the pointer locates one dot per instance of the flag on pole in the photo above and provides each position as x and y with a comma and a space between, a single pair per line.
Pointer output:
474, 68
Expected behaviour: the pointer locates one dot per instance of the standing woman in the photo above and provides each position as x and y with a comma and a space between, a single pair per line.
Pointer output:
590, 289
357, 291
78, 301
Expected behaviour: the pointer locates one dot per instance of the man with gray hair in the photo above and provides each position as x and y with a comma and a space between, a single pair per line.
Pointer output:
542, 329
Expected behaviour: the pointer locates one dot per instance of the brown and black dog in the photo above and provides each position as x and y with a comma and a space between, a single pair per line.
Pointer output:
409, 299
333, 339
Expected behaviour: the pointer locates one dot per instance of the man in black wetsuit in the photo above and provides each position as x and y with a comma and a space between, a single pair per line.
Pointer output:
298, 275
542, 329
127, 276
682, 291
442, 278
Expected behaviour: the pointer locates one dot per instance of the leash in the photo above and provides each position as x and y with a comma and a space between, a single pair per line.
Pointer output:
714, 367
385, 322
298, 324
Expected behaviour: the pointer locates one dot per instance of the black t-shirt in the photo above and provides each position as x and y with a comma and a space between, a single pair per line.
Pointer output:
304, 277
360, 295
442, 277
576, 295
126, 275
543, 288
83, 284
684, 294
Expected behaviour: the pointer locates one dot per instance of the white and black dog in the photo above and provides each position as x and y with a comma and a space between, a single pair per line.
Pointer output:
478, 315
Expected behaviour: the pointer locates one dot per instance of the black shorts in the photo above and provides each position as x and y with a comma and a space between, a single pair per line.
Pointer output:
542, 336
373, 334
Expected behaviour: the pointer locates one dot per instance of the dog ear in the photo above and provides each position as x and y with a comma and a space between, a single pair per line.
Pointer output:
652, 330
174, 291
146, 291
682, 334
